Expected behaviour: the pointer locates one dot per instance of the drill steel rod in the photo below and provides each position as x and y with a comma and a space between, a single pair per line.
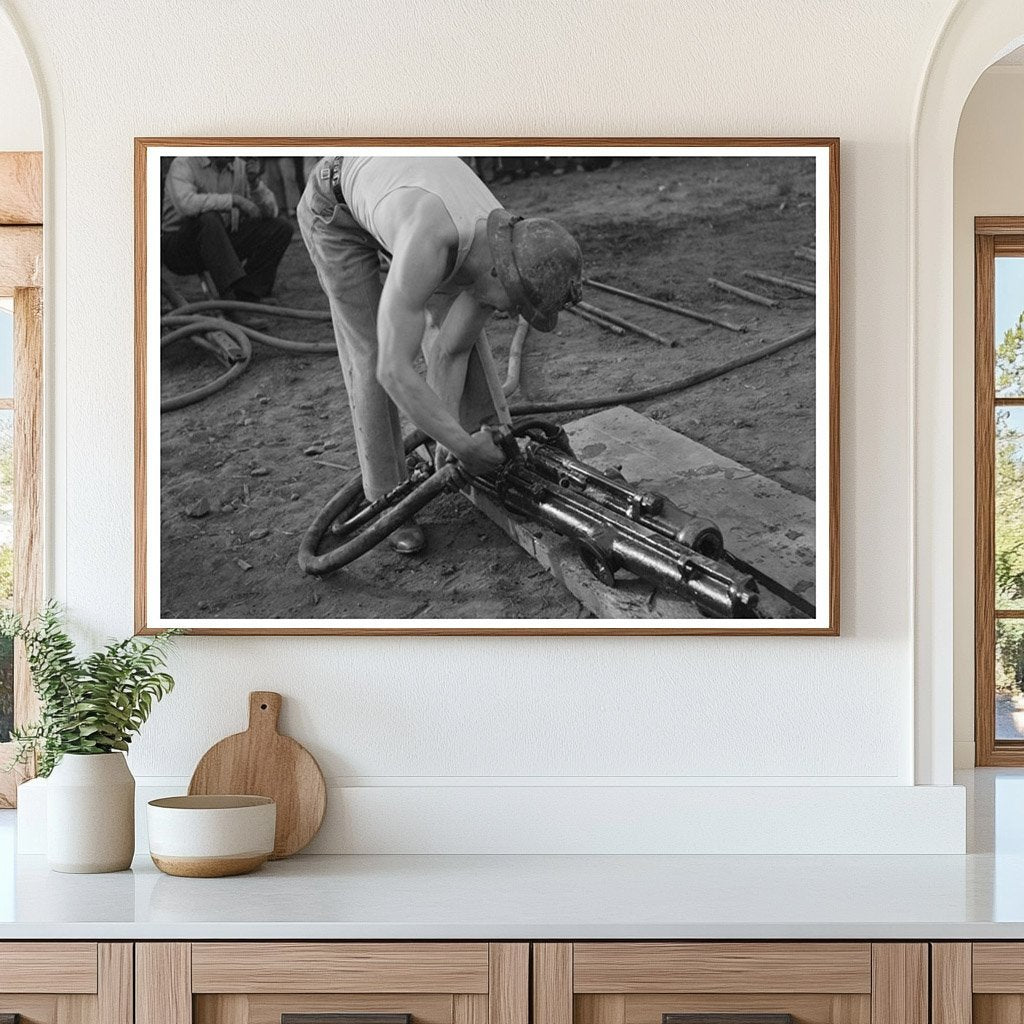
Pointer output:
733, 289
781, 282
627, 324
609, 541
607, 325
692, 314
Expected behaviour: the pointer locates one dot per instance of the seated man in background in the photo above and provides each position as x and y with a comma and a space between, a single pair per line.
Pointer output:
220, 216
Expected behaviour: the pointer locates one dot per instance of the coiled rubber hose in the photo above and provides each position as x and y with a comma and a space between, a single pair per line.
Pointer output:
350, 497
198, 320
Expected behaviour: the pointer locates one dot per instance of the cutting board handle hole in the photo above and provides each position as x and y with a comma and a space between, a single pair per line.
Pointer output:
263, 707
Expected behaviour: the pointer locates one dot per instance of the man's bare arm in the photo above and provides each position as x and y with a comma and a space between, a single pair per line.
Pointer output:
416, 270
448, 357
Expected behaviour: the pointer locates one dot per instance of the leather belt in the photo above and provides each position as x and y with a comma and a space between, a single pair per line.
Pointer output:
336, 180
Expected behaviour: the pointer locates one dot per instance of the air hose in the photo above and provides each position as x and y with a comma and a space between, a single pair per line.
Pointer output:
629, 397
230, 341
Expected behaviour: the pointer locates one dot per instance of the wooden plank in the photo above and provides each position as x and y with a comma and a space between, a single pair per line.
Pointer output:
899, 989
339, 967
998, 967
633, 967
65, 967
163, 983
28, 483
951, 983
267, 1008
763, 522
21, 259
115, 983
552, 983
806, 1008
508, 993
21, 188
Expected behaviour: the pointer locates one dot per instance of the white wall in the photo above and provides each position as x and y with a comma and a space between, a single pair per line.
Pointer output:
21, 127
988, 180
443, 713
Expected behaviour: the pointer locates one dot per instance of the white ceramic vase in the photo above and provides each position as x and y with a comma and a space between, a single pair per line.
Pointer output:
90, 814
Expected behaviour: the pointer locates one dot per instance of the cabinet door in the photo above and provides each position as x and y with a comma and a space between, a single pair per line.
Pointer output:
65, 983
332, 983
980, 982
730, 983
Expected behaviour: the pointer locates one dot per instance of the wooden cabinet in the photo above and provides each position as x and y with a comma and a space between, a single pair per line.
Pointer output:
66, 982
978, 983
305, 982
752, 982
512, 983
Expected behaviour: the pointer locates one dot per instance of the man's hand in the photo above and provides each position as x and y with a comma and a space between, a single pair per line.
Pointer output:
483, 455
247, 206
253, 171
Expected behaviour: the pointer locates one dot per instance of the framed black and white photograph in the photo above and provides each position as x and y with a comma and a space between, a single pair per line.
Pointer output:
449, 386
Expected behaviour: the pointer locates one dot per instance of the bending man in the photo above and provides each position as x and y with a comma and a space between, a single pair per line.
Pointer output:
446, 234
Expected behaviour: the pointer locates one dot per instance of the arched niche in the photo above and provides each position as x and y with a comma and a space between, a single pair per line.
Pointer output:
976, 34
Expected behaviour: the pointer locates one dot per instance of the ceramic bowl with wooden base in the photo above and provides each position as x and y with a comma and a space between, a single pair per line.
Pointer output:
211, 836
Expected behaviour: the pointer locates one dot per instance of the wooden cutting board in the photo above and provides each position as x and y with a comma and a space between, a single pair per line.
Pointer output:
262, 762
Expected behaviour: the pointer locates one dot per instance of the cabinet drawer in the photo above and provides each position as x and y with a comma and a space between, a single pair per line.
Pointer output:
730, 983
66, 982
332, 983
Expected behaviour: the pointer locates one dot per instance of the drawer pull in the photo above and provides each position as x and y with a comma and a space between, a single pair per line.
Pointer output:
727, 1018
339, 1018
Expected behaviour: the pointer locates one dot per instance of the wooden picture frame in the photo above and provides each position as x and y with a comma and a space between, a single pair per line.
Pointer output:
21, 276
825, 622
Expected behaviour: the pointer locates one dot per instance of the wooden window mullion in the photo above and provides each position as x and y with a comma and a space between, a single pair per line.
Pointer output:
984, 501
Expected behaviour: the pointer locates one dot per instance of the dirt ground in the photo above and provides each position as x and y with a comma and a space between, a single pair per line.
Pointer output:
657, 226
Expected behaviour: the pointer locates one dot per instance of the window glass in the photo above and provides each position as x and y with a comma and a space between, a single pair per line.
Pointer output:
6, 353
1009, 508
1009, 327
1009, 679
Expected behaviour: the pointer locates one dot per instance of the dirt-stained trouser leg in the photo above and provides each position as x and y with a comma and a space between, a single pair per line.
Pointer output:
345, 257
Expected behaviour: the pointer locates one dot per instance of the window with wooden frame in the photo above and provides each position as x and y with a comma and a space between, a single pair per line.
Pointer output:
21, 365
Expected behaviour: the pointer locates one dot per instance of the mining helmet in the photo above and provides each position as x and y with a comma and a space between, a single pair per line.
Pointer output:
538, 263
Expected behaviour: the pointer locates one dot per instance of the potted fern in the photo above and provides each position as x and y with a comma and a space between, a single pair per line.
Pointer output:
90, 708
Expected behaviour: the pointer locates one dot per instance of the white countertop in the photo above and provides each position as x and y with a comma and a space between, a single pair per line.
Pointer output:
496, 897
977, 896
